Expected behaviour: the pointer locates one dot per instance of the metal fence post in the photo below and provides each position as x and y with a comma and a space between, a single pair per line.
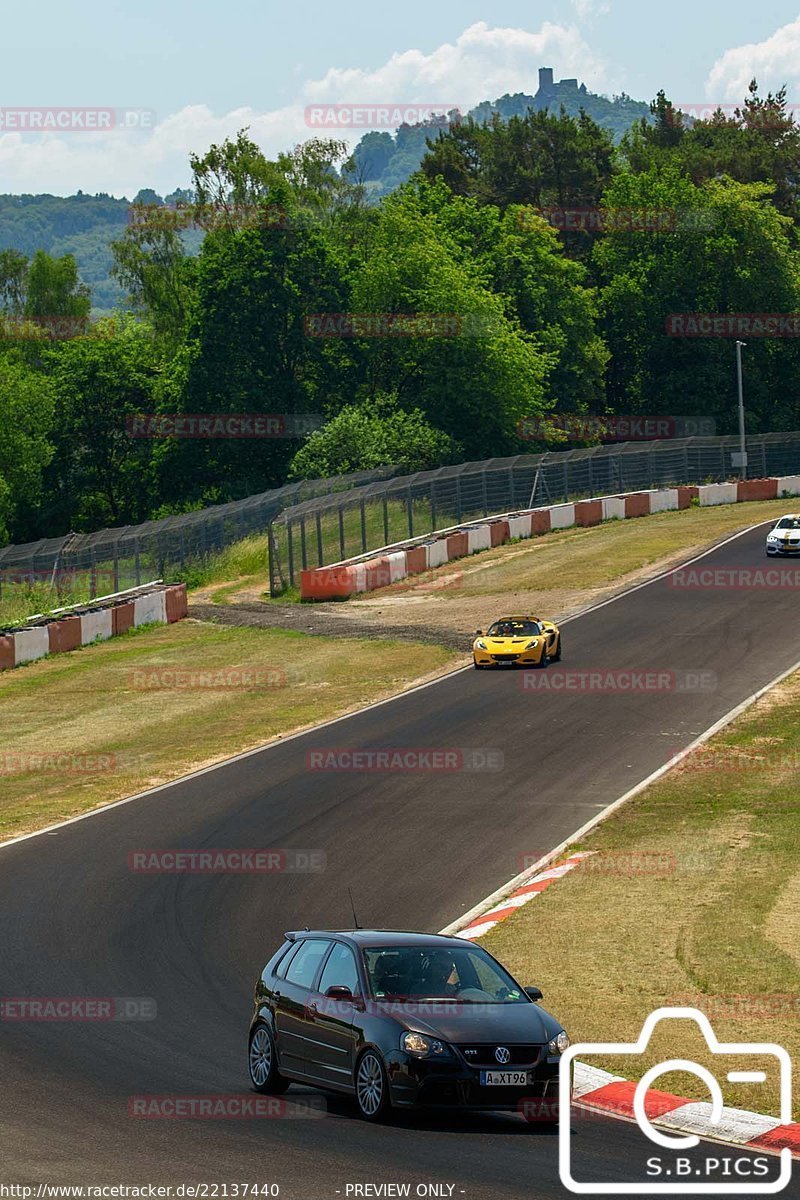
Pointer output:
320, 555
410, 514
484, 494
363, 527
385, 520
433, 506
458, 499
303, 554
290, 546
341, 531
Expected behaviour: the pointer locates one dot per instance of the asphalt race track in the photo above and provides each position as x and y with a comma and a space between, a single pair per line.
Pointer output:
418, 849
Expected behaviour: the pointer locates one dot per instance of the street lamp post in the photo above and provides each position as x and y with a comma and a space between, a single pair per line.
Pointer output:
740, 460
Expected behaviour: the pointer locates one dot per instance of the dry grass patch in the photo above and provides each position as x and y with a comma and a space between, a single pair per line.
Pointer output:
693, 897
80, 730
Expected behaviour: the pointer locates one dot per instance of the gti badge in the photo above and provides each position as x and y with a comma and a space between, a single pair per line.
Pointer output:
502, 1054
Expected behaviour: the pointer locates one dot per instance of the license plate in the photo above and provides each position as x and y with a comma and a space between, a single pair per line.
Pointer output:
504, 1078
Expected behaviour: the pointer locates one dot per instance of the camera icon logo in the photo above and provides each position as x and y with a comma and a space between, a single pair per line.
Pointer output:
752, 1072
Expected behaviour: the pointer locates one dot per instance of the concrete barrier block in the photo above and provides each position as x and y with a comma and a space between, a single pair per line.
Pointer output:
479, 537
326, 583
664, 500
149, 608
417, 560
789, 484
377, 573
562, 516
588, 512
175, 601
64, 635
613, 508
358, 574
540, 521
686, 494
519, 527
122, 617
97, 626
637, 504
717, 493
499, 532
457, 545
398, 568
7, 658
30, 644
756, 489
437, 552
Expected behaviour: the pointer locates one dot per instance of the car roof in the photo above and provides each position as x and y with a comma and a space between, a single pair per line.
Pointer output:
518, 617
793, 516
378, 937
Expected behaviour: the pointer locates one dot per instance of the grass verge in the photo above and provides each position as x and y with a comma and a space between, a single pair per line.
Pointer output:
82, 729
692, 897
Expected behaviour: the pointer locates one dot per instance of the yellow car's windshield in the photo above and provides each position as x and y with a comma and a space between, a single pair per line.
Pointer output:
507, 628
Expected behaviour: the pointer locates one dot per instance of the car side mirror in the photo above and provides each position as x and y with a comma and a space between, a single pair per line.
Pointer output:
478, 633
534, 993
338, 991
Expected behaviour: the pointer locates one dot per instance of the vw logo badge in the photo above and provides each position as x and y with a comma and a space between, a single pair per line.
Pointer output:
502, 1054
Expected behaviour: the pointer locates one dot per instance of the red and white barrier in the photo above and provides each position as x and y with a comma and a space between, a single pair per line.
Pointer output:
108, 617
390, 564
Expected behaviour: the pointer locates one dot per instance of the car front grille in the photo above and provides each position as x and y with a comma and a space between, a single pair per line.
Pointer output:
482, 1055
505, 657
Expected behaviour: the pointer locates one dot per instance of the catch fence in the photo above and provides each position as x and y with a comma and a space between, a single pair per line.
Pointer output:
327, 529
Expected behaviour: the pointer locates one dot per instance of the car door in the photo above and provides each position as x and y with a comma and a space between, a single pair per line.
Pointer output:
292, 993
333, 1030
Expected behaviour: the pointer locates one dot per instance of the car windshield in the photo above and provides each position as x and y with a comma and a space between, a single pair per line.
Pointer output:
514, 627
461, 975
789, 523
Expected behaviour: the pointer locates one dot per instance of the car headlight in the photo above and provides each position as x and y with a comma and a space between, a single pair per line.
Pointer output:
481, 645
559, 1044
773, 537
532, 645
422, 1046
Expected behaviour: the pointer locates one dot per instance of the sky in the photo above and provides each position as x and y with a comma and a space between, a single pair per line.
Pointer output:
186, 73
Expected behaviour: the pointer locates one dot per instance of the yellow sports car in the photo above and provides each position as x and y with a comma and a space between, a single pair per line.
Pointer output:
517, 641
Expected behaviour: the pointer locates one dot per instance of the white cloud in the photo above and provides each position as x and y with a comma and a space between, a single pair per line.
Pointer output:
773, 62
481, 64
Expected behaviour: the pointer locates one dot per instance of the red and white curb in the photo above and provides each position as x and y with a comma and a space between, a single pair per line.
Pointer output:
600, 1091
603, 1092
522, 895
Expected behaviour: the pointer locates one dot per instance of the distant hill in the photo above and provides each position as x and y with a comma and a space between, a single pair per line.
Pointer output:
383, 161
81, 225
85, 225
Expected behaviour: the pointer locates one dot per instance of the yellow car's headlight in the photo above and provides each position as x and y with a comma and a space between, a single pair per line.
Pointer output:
532, 645
481, 645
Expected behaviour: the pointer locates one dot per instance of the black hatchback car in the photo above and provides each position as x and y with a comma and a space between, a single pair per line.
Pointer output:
403, 1019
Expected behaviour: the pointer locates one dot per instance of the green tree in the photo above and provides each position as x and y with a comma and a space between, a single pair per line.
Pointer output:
26, 420
374, 434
